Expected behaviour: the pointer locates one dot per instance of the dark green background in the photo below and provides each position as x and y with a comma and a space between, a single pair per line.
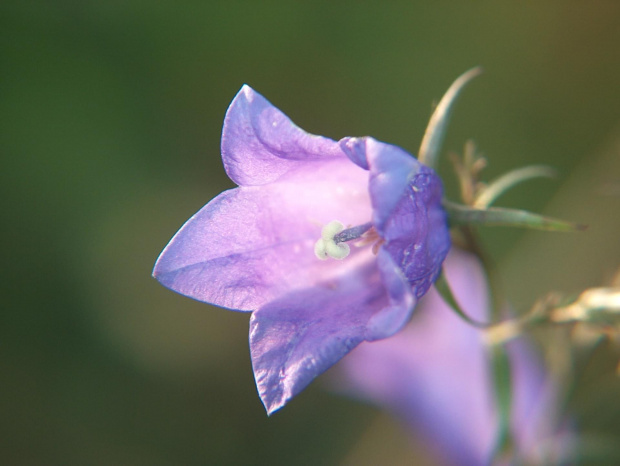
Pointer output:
110, 119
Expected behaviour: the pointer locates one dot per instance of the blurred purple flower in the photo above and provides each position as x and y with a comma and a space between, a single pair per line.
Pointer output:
435, 376
257, 247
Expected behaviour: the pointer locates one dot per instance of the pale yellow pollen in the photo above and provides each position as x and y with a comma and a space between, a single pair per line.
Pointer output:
327, 247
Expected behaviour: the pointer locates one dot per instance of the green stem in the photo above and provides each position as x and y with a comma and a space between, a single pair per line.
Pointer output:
500, 362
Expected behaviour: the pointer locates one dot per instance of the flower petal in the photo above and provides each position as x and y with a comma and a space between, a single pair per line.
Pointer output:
417, 235
260, 143
355, 148
299, 336
390, 167
435, 375
392, 318
407, 212
252, 244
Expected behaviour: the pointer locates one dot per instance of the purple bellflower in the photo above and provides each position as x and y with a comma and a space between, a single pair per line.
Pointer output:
435, 376
327, 243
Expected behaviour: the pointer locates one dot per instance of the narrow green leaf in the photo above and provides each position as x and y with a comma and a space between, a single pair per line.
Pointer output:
443, 288
499, 216
502, 386
431, 143
502, 184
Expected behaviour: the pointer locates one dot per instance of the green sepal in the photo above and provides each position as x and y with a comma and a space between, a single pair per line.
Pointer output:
507, 181
443, 288
459, 214
433, 136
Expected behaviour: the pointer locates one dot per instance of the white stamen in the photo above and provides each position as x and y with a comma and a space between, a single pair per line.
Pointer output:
327, 246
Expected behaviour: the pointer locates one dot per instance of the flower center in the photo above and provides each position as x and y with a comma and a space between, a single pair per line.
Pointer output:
334, 237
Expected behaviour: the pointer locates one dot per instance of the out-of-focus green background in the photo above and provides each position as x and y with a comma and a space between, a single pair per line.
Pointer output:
110, 120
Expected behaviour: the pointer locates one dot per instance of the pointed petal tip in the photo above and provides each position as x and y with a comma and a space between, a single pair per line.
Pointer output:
156, 272
247, 91
272, 402
272, 409
355, 149
245, 94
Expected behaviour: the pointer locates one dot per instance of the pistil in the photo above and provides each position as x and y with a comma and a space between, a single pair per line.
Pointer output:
334, 238
352, 233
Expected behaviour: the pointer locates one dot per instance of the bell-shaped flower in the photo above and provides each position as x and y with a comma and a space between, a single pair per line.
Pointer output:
327, 243
435, 376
